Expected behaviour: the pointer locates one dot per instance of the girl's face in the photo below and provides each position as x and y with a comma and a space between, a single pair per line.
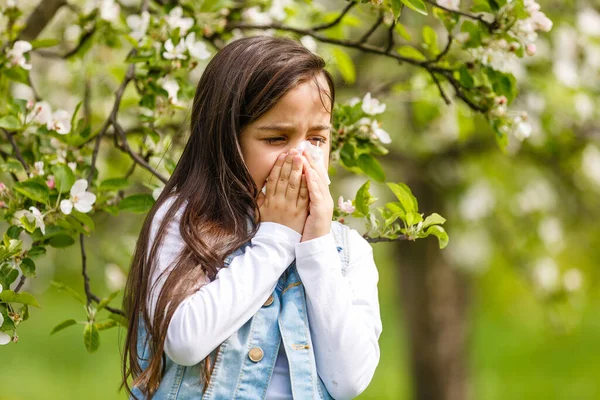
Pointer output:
297, 116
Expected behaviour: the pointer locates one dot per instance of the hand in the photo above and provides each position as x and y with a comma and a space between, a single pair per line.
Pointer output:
286, 199
320, 207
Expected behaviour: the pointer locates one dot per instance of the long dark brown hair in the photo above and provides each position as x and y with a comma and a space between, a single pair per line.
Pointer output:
241, 83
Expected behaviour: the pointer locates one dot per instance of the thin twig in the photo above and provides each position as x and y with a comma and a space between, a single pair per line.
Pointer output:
18, 154
124, 146
439, 85
373, 28
384, 239
479, 17
335, 21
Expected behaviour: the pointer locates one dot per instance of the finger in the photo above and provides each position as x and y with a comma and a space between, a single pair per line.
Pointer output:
314, 189
284, 175
294, 181
303, 193
274, 175
319, 168
315, 175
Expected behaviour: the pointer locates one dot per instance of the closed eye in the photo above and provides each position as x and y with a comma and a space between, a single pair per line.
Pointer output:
277, 139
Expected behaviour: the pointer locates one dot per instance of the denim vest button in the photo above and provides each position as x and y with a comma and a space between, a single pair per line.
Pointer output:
256, 354
269, 301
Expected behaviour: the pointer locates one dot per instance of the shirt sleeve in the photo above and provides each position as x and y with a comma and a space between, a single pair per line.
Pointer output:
206, 318
343, 312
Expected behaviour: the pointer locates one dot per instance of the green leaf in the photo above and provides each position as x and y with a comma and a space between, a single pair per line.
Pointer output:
61, 240
361, 200
401, 30
33, 190
39, 43
64, 177
405, 196
17, 74
113, 184
137, 203
104, 302
64, 288
345, 65
396, 8
10, 122
465, 78
9, 296
83, 218
106, 324
36, 251
63, 325
441, 234
28, 267
412, 53
91, 337
416, 5
433, 219
11, 165
413, 218
430, 39
371, 167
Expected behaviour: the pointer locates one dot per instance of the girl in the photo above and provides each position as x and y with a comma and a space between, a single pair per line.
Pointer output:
238, 294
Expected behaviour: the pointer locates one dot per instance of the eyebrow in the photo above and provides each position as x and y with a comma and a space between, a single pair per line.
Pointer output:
290, 128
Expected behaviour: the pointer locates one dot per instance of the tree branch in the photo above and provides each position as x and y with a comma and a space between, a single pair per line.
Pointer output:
18, 154
39, 18
335, 21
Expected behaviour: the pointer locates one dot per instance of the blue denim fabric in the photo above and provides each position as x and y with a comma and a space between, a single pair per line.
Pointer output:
235, 375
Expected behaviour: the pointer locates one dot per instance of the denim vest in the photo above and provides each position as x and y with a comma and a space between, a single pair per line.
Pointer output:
244, 363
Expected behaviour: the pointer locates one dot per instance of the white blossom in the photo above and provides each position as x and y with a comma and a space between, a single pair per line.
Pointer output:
72, 165
4, 338
372, 106
522, 128
32, 215
477, 202
109, 10
374, 127
138, 24
551, 233
115, 277
309, 42
172, 88
345, 206
80, 198
353, 101
175, 20
450, 4
572, 279
590, 163
545, 274
173, 52
255, 16
277, 9
41, 112
197, 49
60, 122
17, 54
588, 22
38, 169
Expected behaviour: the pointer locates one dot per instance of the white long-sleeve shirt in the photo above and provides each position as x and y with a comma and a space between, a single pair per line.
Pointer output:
343, 311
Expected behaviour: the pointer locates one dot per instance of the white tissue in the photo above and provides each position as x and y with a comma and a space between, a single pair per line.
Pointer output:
317, 155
